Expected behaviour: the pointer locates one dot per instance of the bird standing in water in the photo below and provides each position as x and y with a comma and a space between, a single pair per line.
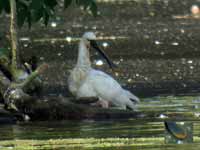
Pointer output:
86, 82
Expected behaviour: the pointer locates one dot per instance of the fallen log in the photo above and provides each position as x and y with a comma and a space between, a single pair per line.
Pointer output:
52, 108
60, 108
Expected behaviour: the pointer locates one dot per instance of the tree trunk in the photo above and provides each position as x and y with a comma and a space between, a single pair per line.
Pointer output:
14, 37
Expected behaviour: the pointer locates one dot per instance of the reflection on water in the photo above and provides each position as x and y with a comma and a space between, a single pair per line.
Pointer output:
146, 132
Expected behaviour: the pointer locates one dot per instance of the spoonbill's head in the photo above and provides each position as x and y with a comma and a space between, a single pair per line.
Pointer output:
89, 36
90, 41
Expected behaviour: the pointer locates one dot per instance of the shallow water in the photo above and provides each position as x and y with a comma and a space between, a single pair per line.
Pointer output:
145, 132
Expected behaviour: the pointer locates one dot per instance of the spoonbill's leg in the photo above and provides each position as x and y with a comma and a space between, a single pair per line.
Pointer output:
102, 103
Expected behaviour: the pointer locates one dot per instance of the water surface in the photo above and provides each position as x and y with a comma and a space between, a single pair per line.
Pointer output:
145, 132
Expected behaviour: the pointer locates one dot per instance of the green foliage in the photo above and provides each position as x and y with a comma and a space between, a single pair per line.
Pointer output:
4, 55
32, 11
4, 6
4, 51
86, 4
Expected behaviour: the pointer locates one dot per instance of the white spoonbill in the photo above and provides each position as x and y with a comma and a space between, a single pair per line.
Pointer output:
86, 82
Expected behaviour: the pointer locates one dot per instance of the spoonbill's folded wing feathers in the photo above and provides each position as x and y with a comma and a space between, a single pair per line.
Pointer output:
104, 85
110, 90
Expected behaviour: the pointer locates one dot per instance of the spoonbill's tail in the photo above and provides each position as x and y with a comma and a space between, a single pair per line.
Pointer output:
132, 97
127, 100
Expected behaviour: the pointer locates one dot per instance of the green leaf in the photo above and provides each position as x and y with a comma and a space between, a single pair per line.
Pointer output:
36, 4
46, 18
67, 3
29, 19
37, 14
50, 3
4, 51
24, 2
4, 5
1, 6
32, 11
42, 9
94, 8
88, 5
22, 12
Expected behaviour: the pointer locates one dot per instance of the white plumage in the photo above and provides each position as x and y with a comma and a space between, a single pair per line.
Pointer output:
84, 81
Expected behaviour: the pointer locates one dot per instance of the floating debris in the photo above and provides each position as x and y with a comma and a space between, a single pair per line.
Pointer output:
162, 116
189, 61
53, 24
182, 31
68, 39
137, 75
116, 74
165, 30
191, 67
175, 43
196, 114
25, 45
129, 80
157, 42
41, 58
105, 44
24, 39
62, 46
162, 53
99, 63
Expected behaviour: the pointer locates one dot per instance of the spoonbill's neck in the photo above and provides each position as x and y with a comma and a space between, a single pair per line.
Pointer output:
83, 55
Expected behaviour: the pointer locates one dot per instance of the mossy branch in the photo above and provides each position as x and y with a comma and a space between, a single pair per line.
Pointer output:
31, 77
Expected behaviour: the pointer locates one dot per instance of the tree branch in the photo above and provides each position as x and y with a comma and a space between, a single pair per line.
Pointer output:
31, 77
14, 36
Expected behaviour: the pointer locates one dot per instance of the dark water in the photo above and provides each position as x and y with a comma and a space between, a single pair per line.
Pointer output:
155, 54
